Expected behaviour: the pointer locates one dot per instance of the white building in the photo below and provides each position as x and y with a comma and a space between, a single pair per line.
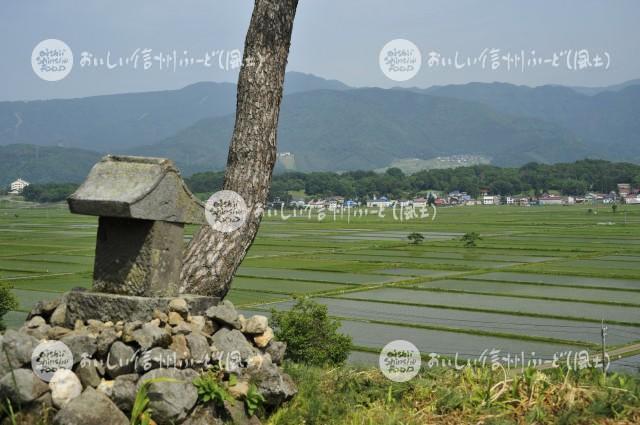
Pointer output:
551, 200
490, 200
632, 199
18, 186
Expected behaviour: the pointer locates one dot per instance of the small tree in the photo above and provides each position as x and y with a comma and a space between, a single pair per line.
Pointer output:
614, 208
311, 336
8, 302
470, 239
415, 238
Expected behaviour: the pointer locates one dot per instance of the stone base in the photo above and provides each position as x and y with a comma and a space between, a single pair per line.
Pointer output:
85, 305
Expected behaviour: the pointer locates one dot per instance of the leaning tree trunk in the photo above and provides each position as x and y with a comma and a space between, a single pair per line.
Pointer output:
212, 257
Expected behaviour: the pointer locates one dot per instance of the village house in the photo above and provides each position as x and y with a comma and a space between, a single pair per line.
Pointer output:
624, 189
457, 198
632, 199
316, 204
335, 202
382, 202
490, 200
610, 198
18, 186
547, 199
296, 203
594, 197
420, 202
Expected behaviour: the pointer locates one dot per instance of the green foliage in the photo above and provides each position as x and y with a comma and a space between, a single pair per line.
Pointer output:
9, 413
254, 400
570, 179
573, 187
444, 396
415, 238
471, 239
614, 208
50, 192
311, 336
205, 182
210, 389
8, 302
573, 179
141, 413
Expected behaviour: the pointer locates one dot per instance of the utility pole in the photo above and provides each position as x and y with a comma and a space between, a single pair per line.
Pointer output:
603, 333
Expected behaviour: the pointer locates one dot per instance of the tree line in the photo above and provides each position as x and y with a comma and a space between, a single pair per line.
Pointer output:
531, 179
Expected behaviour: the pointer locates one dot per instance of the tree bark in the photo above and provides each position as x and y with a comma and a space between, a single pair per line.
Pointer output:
212, 257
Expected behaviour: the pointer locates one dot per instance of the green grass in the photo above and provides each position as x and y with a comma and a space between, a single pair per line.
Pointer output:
443, 396
560, 272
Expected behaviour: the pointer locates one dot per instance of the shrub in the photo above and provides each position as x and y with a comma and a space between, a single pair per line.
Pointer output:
254, 400
49, 192
311, 336
470, 239
209, 389
415, 238
8, 302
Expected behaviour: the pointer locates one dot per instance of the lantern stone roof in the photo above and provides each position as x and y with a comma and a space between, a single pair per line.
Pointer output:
137, 187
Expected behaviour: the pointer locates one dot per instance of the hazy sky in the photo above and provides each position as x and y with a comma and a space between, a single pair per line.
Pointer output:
339, 39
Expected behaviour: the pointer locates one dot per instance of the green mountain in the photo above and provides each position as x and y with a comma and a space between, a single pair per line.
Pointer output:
607, 122
369, 128
43, 164
105, 123
326, 125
